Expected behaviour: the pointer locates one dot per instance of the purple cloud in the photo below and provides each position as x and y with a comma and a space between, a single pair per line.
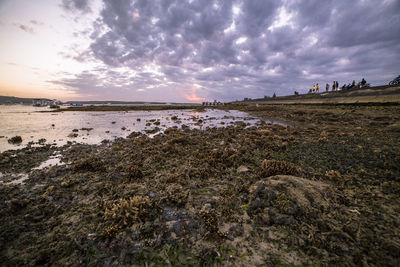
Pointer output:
235, 49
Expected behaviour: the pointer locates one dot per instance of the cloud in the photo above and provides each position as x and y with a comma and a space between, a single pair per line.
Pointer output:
35, 22
236, 48
25, 28
76, 5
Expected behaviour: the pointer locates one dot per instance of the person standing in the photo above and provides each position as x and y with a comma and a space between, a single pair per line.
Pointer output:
333, 86
327, 87
337, 85
313, 88
317, 87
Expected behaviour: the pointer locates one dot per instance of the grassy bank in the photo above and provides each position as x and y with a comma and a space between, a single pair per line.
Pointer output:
324, 190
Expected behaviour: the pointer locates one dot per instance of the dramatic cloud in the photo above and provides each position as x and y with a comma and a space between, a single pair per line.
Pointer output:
81, 5
232, 49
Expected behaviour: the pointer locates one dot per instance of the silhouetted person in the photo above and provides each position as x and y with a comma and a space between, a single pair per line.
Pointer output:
363, 82
337, 85
327, 87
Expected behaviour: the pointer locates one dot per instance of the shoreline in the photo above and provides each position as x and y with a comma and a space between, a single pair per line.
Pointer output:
310, 193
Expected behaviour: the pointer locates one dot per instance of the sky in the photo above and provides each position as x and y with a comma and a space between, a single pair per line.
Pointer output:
193, 50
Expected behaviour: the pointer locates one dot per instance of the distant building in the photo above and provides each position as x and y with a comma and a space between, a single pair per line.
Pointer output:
43, 102
40, 102
215, 103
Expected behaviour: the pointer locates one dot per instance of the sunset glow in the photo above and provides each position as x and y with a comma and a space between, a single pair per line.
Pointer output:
193, 97
147, 50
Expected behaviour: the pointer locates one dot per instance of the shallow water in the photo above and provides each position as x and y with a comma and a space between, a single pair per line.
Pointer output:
57, 127
18, 178
51, 161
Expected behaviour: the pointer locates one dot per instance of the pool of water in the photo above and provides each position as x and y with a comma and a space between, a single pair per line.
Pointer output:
92, 127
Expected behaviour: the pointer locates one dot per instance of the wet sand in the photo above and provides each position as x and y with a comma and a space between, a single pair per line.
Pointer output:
322, 191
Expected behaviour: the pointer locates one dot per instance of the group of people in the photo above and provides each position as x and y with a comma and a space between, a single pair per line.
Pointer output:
362, 83
315, 89
335, 86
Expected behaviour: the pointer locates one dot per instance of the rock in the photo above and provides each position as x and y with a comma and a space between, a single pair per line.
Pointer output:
236, 230
281, 198
242, 169
284, 220
15, 140
5, 160
42, 258
392, 247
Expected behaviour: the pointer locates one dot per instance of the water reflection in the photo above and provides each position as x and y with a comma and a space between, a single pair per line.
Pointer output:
93, 127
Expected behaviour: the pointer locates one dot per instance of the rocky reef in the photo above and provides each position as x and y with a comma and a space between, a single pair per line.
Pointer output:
322, 191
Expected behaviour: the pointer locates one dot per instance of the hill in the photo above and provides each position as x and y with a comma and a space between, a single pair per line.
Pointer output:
18, 100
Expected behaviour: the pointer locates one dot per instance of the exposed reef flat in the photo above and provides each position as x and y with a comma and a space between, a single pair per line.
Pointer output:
322, 191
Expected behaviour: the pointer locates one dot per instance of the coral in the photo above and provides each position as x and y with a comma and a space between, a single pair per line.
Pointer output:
125, 212
210, 220
174, 178
225, 156
275, 167
133, 172
177, 195
90, 163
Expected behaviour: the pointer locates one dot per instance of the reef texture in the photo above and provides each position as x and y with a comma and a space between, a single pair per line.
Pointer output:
324, 190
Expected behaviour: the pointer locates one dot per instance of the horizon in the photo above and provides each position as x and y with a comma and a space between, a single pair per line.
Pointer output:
192, 51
